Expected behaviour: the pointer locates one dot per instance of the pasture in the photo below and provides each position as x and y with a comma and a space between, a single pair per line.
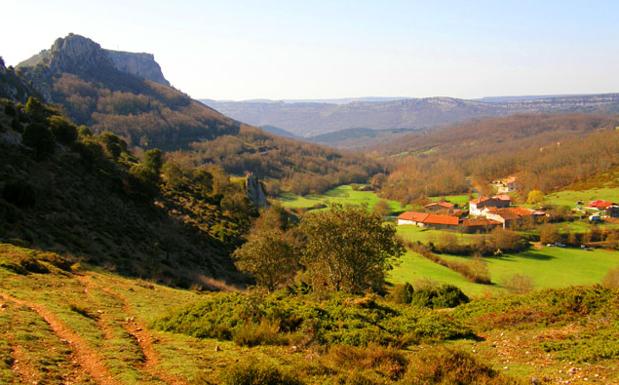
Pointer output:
548, 267
344, 195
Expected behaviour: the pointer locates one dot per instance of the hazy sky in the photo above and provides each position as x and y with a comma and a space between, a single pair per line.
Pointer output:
335, 48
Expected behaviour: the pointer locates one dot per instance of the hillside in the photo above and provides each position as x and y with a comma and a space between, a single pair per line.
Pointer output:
313, 118
88, 196
546, 152
90, 327
121, 92
126, 94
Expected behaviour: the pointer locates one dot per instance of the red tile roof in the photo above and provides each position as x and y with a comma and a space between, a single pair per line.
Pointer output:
431, 219
600, 204
443, 204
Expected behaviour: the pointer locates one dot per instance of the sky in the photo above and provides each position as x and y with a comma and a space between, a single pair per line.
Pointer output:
289, 49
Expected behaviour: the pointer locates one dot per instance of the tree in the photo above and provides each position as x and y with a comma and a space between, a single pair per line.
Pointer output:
64, 131
36, 110
535, 197
348, 249
40, 139
382, 209
549, 234
268, 255
377, 181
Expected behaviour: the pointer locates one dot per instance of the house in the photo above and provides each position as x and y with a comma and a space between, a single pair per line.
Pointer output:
510, 216
479, 225
613, 211
436, 221
505, 185
440, 206
600, 204
477, 206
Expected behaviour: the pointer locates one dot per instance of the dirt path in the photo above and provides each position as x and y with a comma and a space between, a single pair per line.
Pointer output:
140, 333
85, 355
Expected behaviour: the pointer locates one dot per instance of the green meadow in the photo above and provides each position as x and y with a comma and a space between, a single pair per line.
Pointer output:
549, 267
570, 197
344, 195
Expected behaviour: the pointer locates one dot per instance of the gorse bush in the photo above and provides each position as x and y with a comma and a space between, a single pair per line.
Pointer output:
338, 319
439, 297
254, 372
448, 367
402, 293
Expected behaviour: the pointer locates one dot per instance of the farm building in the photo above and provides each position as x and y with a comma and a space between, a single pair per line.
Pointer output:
440, 206
428, 220
505, 185
477, 206
479, 225
510, 216
600, 204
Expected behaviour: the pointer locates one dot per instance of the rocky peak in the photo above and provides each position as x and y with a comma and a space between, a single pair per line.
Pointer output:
80, 55
139, 64
77, 54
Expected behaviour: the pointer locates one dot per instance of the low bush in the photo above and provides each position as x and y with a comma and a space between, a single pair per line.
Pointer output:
447, 367
439, 297
338, 319
401, 293
519, 284
611, 280
253, 372
388, 362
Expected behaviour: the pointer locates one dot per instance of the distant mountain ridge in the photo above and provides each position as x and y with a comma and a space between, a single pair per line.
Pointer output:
309, 119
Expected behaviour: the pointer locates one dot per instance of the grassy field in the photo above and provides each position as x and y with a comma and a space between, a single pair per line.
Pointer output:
461, 199
570, 197
344, 195
415, 233
549, 267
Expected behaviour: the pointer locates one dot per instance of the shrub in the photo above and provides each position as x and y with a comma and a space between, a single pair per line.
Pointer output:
611, 280
519, 284
549, 234
446, 367
402, 293
439, 297
19, 193
266, 332
64, 131
253, 372
40, 139
386, 361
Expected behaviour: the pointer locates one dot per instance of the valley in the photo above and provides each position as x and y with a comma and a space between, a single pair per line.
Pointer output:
151, 238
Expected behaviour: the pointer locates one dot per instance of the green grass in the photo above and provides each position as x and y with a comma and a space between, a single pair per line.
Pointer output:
550, 267
460, 199
570, 197
415, 233
344, 195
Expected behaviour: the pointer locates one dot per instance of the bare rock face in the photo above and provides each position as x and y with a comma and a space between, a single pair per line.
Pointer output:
77, 54
139, 64
255, 191
80, 55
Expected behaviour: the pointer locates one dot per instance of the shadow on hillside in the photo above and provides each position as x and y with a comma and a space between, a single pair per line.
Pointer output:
531, 254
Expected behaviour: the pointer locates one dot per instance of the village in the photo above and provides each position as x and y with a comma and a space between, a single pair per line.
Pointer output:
485, 213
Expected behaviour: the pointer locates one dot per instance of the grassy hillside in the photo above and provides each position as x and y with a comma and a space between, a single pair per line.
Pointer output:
344, 195
95, 327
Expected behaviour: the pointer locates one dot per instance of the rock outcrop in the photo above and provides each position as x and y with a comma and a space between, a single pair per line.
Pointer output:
79, 55
139, 64
255, 191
